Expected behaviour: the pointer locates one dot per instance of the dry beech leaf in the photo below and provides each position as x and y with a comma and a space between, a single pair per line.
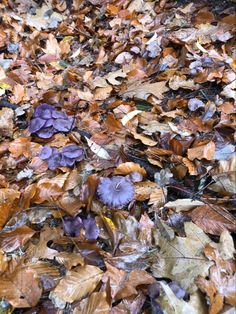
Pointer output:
183, 204
77, 283
204, 151
213, 219
97, 149
144, 139
69, 260
96, 303
183, 255
177, 82
112, 77
6, 122
49, 274
225, 177
41, 249
18, 93
23, 146
3, 262
129, 167
102, 93
220, 284
125, 284
171, 304
143, 190
21, 289
142, 91
12, 240
129, 116
157, 197
8, 204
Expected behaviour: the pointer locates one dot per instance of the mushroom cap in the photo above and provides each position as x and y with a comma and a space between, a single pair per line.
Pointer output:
116, 192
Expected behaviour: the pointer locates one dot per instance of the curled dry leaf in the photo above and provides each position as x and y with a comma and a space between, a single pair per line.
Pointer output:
183, 204
129, 167
97, 149
144, 139
204, 151
77, 283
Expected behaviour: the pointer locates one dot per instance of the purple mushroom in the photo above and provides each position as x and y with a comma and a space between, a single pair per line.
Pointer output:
47, 121
64, 158
116, 192
73, 225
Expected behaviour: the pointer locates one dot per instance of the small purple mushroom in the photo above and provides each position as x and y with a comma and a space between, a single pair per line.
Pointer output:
47, 121
116, 192
64, 158
73, 225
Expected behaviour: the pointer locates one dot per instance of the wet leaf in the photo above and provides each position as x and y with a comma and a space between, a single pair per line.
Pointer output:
77, 283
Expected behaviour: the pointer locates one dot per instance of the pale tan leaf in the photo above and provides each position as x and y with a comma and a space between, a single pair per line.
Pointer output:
183, 255
6, 121
112, 77
177, 82
129, 116
144, 189
172, 305
144, 139
157, 197
77, 283
143, 91
129, 167
97, 149
183, 204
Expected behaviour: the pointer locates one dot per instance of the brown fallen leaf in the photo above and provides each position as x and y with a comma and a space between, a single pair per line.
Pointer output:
220, 287
143, 190
77, 283
213, 219
129, 167
69, 260
96, 303
12, 240
3, 262
21, 289
143, 91
6, 122
125, 284
181, 255
8, 204
204, 151
18, 93
144, 139
177, 82
102, 93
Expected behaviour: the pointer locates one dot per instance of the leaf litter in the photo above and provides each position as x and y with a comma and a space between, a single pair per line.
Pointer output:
117, 157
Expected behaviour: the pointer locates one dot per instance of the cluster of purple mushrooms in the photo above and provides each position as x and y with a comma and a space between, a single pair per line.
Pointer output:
115, 192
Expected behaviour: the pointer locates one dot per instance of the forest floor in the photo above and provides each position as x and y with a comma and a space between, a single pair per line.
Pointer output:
117, 157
